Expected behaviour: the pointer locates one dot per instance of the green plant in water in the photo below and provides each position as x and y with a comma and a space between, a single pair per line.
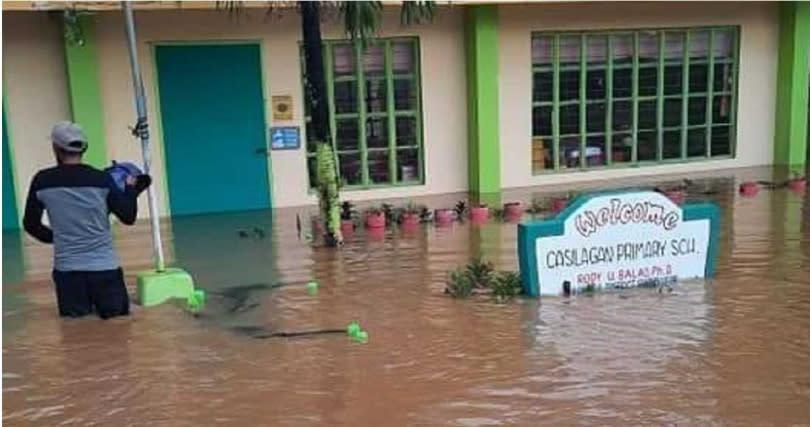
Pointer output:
373, 210
425, 214
497, 213
328, 195
412, 208
393, 214
505, 285
539, 205
73, 31
459, 284
480, 272
460, 209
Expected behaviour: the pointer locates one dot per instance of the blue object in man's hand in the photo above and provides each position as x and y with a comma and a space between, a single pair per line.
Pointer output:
120, 171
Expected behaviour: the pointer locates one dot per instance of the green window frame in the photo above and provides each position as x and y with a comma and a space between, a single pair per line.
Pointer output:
375, 112
633, 97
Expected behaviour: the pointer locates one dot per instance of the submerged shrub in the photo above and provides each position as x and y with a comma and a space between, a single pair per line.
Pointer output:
459, 284
505, 285
480, 272
479, 277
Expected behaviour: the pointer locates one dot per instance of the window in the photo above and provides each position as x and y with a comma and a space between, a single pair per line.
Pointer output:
632, 97
375, 112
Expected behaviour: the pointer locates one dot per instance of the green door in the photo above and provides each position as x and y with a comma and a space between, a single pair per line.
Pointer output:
212, 112
10, 219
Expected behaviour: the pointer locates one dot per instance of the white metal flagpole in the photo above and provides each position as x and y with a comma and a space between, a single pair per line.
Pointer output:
142, 130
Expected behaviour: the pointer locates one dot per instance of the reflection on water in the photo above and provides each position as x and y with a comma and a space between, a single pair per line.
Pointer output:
735, 350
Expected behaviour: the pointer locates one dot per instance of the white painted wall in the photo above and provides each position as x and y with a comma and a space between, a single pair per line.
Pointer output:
443, 91
757, 77
35, 90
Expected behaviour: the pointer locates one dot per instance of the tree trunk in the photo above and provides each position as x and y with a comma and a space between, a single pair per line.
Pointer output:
315, 86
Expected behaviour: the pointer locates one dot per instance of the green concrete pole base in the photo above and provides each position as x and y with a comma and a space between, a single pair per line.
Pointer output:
156, 287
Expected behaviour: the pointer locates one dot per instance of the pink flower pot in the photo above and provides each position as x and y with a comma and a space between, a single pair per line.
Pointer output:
513, 210
797, 184
479, 214
410, 220
749, 189
558, 204
375, 220
443, 217
676, 195
347, 227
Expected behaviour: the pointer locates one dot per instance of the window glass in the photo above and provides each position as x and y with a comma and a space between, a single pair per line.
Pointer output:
376, 144
650, 95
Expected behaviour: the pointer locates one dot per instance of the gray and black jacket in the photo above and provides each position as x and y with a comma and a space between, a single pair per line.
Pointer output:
79, 199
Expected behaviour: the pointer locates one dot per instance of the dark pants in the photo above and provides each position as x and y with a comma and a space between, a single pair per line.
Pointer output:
80, 293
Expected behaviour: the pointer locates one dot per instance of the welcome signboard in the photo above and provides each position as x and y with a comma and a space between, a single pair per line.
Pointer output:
618, 240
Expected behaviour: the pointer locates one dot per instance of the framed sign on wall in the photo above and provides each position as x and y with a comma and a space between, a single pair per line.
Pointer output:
282, 107
285, 138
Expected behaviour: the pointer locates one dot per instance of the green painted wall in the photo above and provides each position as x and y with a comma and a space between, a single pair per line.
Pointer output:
85, 92
11, 220
481, 38
790, 145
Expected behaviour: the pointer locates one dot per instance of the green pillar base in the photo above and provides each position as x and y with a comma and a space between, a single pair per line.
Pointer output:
156, 287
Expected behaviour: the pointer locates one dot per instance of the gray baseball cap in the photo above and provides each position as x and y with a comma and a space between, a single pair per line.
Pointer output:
69, 137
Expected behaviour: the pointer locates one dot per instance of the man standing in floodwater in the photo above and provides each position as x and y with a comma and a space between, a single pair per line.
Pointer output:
79, 199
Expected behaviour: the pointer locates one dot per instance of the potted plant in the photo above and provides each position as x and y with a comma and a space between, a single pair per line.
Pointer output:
375, 218
538, 206
513, 210
392, 214
479, 213
347, 217
749, 188
410, 215
443, 217
797, 182
558, 204
425, 214
460, 209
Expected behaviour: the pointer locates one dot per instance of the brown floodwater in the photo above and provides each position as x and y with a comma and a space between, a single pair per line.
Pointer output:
734, 350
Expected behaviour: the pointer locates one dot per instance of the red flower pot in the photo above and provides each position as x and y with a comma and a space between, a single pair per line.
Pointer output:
676, 195
410, 220
513, 210
479, 213
557, 205
443, 217
375, 220
749, 188
347, 227
797, 184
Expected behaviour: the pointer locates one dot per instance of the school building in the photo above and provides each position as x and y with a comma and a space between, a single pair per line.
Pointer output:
489, 96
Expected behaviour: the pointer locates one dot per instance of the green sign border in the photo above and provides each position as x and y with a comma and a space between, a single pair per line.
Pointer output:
529, 232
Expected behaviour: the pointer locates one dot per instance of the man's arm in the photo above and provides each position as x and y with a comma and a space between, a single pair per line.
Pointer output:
32, 221
123, 204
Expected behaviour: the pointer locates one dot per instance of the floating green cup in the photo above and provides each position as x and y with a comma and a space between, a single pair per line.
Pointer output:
361, 336
196, 300
312, 286
353, 329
